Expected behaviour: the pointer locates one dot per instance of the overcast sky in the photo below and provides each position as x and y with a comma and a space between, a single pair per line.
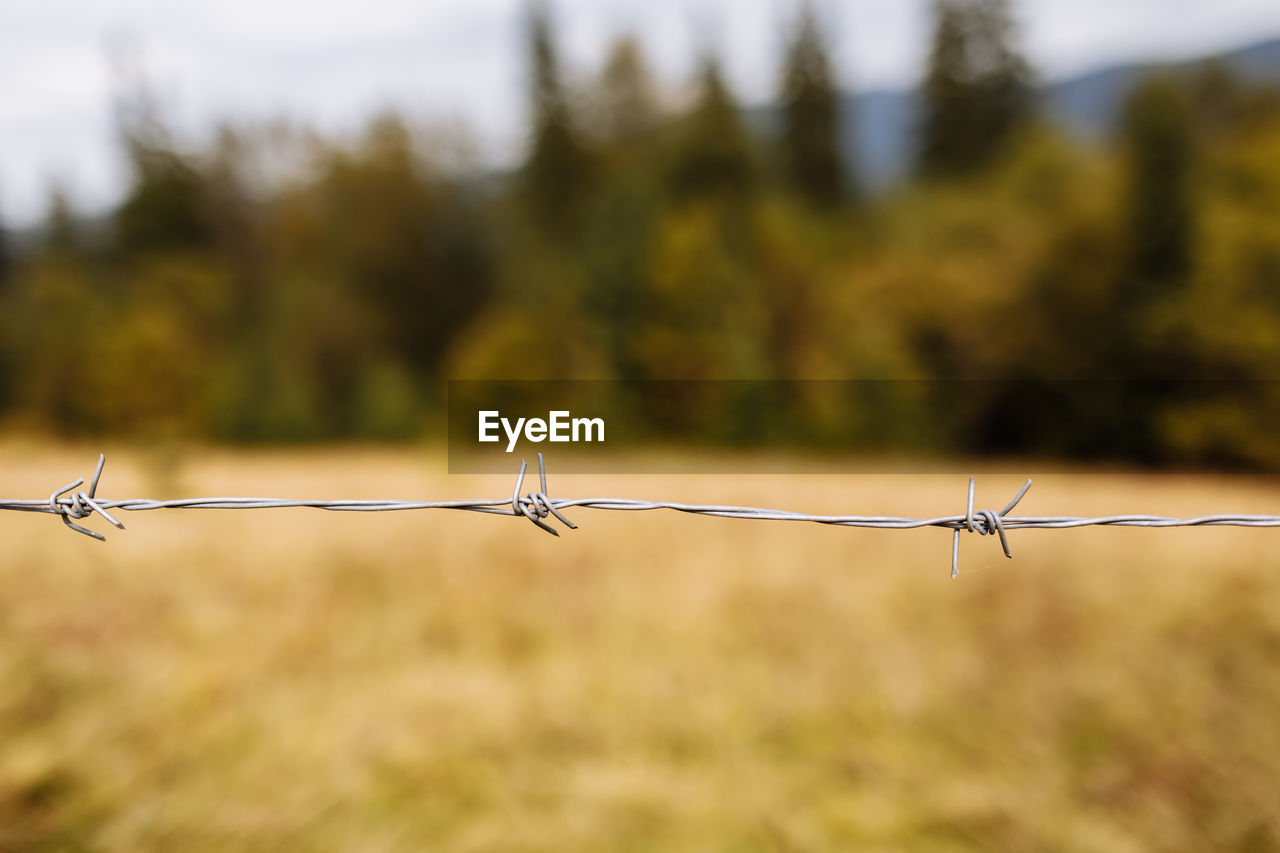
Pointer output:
461, 60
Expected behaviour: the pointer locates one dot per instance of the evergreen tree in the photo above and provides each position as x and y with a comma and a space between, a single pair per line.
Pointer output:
61, 234
165, 206
1157, 135
554, 178
8, 350
626, 104
1224, 104
1156, 243
618, 241
977, 90
6, 257
811, 154
7, 360
405, 245
714, 155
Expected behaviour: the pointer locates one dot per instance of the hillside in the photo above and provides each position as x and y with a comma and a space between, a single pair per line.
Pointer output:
879, 124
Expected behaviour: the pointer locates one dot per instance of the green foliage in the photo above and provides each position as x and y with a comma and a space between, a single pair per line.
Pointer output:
624, 108
7, 358
328, 299
164, 209
618, 259
810, 141
1226, 317
976, 93
408, 261
6, 255
61, 232
555, 176
1157, 138
51, 311
705, 318
713, 155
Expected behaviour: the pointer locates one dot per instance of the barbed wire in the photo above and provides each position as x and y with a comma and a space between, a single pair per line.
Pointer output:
72, 503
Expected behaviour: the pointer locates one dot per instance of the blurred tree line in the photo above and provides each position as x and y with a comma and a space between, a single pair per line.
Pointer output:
276, 285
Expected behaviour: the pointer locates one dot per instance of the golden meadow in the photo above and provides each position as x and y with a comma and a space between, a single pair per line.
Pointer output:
407, 681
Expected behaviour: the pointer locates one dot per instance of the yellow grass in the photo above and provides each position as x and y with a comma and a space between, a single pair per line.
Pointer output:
300, 680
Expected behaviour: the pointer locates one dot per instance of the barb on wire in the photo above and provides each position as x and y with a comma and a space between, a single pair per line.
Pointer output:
81, 505
72, 504
537, 505
987, 522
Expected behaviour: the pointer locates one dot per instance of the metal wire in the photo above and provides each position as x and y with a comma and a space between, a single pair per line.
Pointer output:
71, 504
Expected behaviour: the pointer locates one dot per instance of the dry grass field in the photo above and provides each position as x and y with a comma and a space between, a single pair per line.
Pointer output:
299, 680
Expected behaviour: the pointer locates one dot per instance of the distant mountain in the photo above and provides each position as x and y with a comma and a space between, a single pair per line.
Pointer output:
879, 125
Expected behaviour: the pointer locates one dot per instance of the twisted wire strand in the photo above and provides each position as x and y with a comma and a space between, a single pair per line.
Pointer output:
72, 504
